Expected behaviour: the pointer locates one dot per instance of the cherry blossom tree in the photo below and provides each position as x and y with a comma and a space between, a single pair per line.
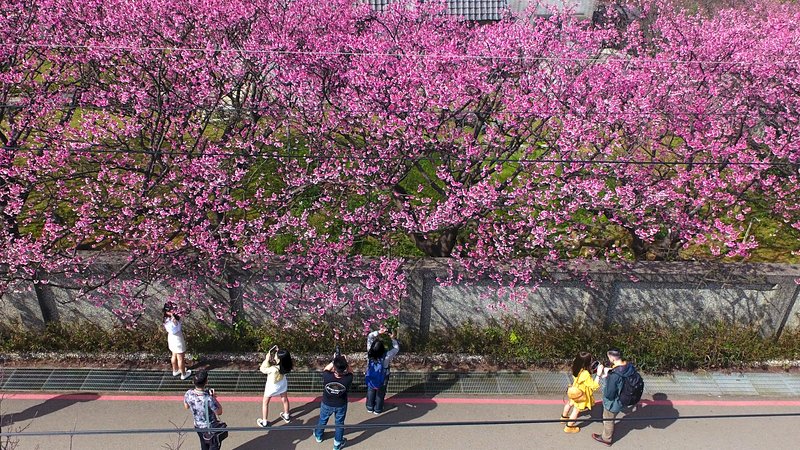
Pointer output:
250, 150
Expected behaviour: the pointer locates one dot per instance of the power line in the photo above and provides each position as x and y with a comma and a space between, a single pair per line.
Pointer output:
275, 155
438, 56
466, 112
369, 426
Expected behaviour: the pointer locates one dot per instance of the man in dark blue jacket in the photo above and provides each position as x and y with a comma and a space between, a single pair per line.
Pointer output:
614, 379
336, 380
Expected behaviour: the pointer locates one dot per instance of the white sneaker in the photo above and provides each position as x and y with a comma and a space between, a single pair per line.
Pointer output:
175, 373
285, 417
186, 375
262, 423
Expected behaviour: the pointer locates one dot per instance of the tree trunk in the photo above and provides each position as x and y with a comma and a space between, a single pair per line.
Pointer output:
436, 246
638, 246
46, 298
235, 294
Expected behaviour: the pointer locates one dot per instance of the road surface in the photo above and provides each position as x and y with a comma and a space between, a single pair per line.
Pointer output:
32, 412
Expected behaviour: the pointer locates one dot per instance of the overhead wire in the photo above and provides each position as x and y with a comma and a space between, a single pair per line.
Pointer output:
372, 426
467, 112
441, 56
278, 155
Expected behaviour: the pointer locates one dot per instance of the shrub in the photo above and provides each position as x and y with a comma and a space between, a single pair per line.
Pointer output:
651, 346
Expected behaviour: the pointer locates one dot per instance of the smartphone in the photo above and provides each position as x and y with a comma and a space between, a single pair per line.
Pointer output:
212, 391
273, 348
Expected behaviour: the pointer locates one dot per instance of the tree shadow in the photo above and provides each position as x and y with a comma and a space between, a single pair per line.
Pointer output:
204, 363
47, 407
286, 439
660, 409
399, 410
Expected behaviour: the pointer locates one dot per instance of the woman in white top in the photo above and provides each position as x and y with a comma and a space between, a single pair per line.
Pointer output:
176, 342
275, 366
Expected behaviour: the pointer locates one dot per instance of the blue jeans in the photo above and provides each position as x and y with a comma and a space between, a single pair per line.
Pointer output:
375, 398
325, 412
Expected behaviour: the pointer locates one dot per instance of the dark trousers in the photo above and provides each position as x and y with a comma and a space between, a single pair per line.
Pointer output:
215, 444
375, 398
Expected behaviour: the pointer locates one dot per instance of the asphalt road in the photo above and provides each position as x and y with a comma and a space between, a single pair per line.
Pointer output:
35, 412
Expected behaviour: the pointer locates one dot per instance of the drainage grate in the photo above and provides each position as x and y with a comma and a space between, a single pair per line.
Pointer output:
100, 380
402, 383
72, 380
410, 383
27, 379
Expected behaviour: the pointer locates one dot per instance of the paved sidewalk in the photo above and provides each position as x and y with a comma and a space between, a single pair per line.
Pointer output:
152, 421
534, 383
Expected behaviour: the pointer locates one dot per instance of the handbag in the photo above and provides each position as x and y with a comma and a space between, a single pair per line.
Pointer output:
218, 435
215, 435
575, 393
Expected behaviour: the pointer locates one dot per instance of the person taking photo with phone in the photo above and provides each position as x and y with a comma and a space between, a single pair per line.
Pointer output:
276, 365
336, 381
205, 408
175, 341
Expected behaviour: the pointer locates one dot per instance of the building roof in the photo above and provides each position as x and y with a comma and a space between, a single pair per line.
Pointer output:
489, 10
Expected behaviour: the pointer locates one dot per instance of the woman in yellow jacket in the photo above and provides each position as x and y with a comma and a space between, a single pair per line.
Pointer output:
581, 392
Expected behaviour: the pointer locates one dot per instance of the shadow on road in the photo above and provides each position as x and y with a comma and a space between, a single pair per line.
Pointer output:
399, 411
396, 410
48, 406
595, 413
660, 410
289, 439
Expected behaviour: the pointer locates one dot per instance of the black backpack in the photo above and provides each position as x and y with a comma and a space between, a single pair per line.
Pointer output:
632, 389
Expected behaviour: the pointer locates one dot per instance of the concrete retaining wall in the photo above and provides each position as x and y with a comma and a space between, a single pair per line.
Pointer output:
762, 295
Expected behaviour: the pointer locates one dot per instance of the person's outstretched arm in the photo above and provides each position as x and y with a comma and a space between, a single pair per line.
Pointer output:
371, 338
394, 350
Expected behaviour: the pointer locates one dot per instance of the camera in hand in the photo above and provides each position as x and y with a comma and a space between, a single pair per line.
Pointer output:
338, 352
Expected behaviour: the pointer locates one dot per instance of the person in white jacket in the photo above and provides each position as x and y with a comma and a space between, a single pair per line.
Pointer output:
377, 376
275, 366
